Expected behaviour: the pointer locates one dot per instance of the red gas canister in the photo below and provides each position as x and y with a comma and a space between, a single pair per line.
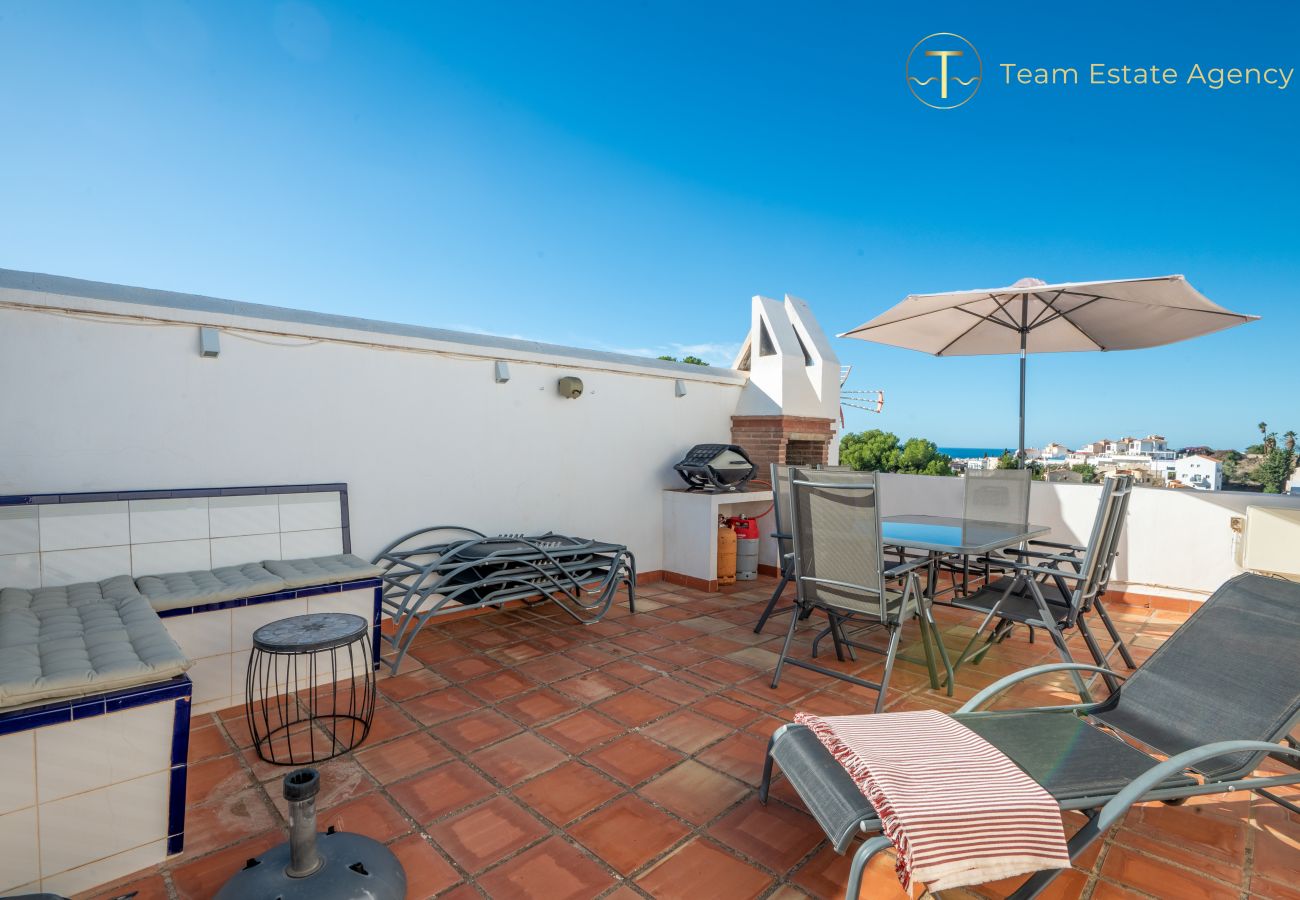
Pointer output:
745, 527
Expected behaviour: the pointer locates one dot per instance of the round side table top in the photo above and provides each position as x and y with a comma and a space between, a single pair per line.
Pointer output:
309, 633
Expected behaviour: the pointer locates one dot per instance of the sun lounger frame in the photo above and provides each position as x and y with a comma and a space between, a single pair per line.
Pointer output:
425, 578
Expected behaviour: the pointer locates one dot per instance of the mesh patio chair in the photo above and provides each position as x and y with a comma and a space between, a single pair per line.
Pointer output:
1221, 695
989, 495
784, 541
1053, 596
840, 569
1056, 554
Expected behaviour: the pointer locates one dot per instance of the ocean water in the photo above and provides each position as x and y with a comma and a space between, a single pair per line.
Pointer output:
971, 452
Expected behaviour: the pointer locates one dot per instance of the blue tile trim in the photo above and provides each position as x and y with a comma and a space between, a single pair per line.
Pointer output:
375, 633
87, 707
179, 775
99, 496
299, 593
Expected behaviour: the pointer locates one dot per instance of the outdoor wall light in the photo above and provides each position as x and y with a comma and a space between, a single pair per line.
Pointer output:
570, 387
209, 343
501, 372
679, 388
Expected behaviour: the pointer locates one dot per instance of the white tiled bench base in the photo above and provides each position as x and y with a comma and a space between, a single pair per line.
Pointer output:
93, 788
219, 637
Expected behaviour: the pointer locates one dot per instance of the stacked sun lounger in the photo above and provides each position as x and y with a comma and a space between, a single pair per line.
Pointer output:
447, 569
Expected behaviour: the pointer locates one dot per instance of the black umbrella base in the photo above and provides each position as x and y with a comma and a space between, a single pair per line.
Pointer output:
353, 867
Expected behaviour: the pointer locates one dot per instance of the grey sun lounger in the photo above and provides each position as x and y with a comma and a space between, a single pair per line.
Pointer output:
448, 568
1218, 697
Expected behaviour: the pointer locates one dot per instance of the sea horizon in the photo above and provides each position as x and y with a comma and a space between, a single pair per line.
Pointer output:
972, 452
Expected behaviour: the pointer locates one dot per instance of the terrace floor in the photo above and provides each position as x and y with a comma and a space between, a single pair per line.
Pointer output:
521, 755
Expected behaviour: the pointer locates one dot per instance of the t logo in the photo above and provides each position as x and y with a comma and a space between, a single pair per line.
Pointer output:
960, 70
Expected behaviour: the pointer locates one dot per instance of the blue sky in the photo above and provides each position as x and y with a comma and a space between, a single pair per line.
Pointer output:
626, 176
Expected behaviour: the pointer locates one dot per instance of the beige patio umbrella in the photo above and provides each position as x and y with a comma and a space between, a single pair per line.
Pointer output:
1032, 316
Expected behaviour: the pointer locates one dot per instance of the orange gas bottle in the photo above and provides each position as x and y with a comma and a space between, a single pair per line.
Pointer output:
726, 553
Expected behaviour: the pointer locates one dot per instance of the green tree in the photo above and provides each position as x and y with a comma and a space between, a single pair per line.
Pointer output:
1087, 470
869, 451
691, 360
880, 451
922, 457
1277, 464
1007, 460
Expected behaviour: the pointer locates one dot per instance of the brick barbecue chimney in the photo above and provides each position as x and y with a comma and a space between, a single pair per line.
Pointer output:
789, 410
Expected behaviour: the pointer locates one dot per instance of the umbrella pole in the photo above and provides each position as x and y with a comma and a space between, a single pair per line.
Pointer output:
1024, 338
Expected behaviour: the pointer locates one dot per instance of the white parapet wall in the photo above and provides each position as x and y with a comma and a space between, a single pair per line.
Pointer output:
106, 390
1176, 544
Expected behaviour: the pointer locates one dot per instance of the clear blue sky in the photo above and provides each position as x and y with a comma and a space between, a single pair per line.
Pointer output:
625, 176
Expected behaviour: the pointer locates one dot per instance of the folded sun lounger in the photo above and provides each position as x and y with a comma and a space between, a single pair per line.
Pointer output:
1217, 698
446, 569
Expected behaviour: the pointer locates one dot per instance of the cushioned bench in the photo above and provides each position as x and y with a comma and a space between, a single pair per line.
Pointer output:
81, 639
186, 589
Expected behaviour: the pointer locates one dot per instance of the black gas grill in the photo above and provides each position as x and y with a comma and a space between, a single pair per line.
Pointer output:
716, 467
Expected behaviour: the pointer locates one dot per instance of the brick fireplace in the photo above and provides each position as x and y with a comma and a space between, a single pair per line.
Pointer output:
785, 440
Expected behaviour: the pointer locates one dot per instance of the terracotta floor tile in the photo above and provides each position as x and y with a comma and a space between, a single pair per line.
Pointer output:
437, 792
478, 729
402, 758
220, 776
226, 819
695, 792
441, 705
591, 686
436, 653
201, 878
703, 869
740, 756
635, 707
553, 870
387, 724
733, 714
632, 759
152, 887
827, 873
628, 833
427, 873
773, 833
500, 685
372, 815
567, 792
589, 656
412, 684
1105, 890
631, 671
551, 668
686, 731
517, 758
1158, 877
459, 671
1192, 827
208, 742
1277, 847
485, 834
537, 706
675, 690
582, 730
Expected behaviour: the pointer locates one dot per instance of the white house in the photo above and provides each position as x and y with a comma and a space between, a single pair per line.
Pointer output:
1200, 472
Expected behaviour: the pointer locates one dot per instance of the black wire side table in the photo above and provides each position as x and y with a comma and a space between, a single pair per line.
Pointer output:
310, 688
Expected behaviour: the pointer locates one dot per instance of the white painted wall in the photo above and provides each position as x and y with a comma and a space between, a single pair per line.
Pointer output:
417, 428
1176, 543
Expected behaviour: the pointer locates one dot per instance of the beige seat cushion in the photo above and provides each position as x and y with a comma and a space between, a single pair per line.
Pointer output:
180, 589
300, 573
81, 639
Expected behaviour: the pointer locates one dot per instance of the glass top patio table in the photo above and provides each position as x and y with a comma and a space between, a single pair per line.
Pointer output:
953, 534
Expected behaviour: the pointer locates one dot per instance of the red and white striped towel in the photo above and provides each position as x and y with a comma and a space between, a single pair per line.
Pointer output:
957, 810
